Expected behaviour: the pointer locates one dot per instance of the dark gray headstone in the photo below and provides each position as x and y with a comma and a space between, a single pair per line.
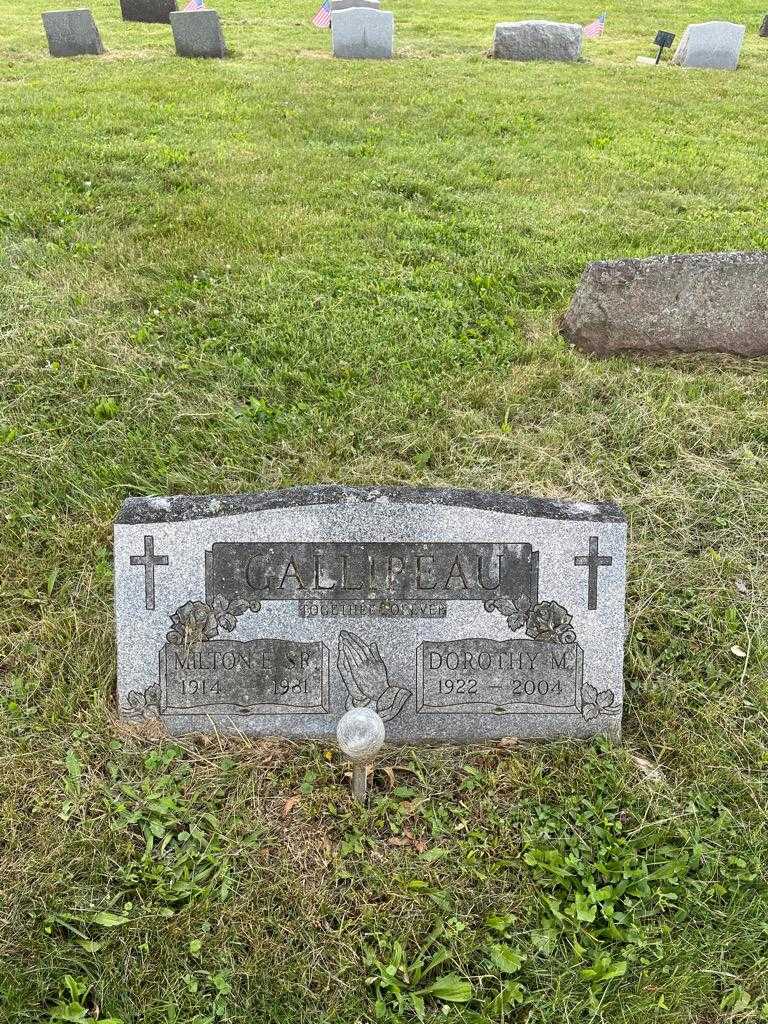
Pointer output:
363, 33
713, 45
536, 40
197, 34
764, 28
702, 302
456, 615
72, 33
150, 11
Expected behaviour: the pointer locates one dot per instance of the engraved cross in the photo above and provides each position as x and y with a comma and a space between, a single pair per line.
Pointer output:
594, 561
149, 560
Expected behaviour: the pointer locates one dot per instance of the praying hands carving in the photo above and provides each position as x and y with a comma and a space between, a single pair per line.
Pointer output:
366, 677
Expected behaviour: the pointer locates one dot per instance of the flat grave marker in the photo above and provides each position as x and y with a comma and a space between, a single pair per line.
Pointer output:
457, 616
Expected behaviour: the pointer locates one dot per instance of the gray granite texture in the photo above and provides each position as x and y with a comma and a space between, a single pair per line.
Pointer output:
197, 34
715, 45
362, 33
458, 616
764, 28
536, 40
72, 33
344, 5
700, 302
149, 11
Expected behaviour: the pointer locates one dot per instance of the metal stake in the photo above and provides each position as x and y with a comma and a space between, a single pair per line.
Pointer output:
359, 781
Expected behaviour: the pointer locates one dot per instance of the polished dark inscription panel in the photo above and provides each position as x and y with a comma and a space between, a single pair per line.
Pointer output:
384, 572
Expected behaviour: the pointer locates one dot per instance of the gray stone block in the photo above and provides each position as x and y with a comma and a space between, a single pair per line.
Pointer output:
149, 11
715, 45
360, 32
343, 5
764, 28
536, 40
457, 616
704, 302
72, 33
197, 34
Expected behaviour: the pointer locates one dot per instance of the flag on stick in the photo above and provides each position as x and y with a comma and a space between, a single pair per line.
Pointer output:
596, 28
193, 5
323, 17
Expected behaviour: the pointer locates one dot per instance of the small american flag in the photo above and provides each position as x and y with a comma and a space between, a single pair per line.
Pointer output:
596, 28
194, 5
323, 17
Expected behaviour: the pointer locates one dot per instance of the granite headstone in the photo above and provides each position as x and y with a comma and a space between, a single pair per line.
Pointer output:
764, 28
362, 33
149, 11
197, 34
343, 5
536, 40
688, 302
714, 45
458, 616
72, 33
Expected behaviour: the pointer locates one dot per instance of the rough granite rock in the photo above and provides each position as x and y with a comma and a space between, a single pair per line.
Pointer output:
72, 33
702, 302
536, 40
197, 34
764, 28
713, 45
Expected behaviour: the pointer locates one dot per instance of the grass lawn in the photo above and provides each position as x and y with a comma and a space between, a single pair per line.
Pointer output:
282, 269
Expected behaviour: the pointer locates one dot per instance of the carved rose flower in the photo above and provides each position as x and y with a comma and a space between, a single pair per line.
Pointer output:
143, 703
193, 622
515, 612
196, 621
227, 612
594, 703
518, 616
550, 621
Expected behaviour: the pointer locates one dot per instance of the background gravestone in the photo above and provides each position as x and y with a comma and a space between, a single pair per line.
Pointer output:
536, 40
197, 34
697, 302
456, 615
72, 33
714, 45
764, 28
362, 33
343, 5
149, 11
